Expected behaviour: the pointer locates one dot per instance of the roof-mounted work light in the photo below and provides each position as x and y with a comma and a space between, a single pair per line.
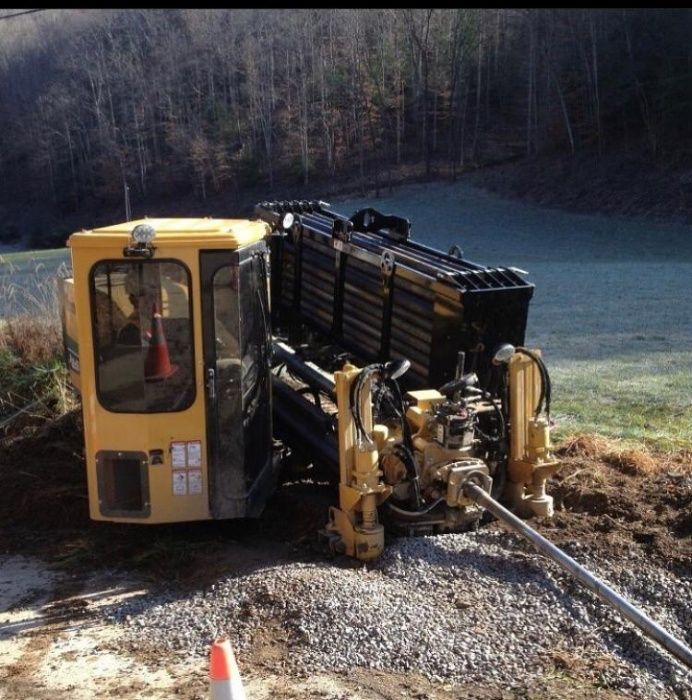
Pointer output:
140, 245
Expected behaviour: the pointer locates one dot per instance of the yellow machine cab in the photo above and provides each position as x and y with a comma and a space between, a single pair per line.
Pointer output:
159, 313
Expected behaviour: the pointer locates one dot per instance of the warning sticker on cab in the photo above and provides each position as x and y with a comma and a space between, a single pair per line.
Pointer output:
180, 483
194, 453
194, 477
178, 455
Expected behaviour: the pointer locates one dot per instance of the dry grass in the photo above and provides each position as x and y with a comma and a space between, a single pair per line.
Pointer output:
31, 330
584, 445
634, 462
34, 339
583, 452
31, 351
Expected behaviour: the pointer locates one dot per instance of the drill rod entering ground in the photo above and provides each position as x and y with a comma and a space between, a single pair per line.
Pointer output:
602, 590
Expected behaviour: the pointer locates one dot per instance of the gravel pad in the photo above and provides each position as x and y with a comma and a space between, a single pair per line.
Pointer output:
477, 607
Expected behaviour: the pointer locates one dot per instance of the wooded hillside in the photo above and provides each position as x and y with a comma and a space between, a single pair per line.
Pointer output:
168, 102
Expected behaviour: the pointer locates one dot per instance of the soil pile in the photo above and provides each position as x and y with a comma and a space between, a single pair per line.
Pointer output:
43, 475
615, 498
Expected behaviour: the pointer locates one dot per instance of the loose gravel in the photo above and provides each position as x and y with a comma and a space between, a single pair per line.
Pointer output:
477, 607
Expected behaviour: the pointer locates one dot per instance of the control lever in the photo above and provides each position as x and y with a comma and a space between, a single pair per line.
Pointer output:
467, 384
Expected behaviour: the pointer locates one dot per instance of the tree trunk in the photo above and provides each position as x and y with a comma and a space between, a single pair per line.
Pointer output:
597, 102
479, 87
563, 107
643, 100
530, 86
462, 154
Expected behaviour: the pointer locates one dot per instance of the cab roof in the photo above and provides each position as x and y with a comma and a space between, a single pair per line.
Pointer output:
200, 232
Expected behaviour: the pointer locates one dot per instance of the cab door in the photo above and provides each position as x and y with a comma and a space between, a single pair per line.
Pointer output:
236, 344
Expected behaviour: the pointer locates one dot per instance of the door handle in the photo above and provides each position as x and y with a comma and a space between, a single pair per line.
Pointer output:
211, 383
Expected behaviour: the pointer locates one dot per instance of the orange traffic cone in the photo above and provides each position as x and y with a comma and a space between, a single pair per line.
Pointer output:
224, 676
157, 364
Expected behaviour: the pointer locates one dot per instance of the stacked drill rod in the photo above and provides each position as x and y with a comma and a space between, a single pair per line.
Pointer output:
365, 286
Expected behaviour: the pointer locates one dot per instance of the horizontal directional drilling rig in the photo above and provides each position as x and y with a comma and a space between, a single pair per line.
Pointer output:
361, 290
433, 459
399, 367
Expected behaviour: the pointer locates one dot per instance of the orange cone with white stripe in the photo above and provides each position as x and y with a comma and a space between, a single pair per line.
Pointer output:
224, 676
157, 363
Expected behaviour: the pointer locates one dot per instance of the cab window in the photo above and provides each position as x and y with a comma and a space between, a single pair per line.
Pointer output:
142, 336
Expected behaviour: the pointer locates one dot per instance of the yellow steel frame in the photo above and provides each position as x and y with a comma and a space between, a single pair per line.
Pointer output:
354, 524
531, 461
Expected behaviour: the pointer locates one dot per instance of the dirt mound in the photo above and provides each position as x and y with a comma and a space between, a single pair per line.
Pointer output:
640, 461
615, 183
43, 475
616, 499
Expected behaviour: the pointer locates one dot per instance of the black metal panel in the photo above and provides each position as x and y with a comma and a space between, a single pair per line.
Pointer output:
236, 334
427, 308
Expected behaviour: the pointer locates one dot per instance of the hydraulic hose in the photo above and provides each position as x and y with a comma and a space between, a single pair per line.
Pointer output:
652, 629
502, 429
413, 513
355, 396
546, 388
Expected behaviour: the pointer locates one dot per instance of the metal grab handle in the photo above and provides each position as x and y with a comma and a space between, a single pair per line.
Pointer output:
211, 383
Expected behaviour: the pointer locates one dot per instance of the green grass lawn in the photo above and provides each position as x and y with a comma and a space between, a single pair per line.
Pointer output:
636, 398
24, 256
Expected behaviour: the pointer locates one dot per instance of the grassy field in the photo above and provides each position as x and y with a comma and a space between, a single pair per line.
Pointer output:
22, 256
636, 399
611, 309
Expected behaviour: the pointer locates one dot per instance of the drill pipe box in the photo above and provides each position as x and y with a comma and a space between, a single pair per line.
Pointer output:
365, 286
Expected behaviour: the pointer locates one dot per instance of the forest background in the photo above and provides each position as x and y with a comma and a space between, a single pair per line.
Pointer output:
205, 111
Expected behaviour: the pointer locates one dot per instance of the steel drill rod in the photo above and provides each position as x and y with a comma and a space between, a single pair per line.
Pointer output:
311, 375
676, 647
